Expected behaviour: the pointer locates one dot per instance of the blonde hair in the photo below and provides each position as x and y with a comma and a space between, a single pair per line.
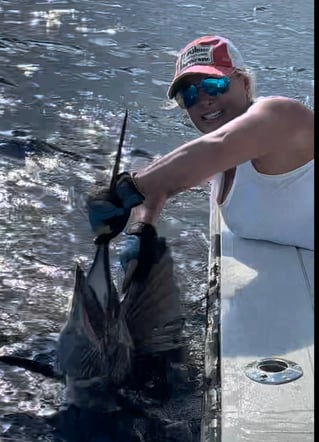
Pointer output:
249, 75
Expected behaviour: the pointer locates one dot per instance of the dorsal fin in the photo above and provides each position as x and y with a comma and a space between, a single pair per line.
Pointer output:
152, 306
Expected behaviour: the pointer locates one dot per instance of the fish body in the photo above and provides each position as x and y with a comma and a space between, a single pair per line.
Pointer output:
118, 359
103, 339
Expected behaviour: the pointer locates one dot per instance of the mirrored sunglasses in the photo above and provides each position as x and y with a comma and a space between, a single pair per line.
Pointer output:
188, 95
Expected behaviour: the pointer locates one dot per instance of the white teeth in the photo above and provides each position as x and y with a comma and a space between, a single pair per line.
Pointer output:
213, 115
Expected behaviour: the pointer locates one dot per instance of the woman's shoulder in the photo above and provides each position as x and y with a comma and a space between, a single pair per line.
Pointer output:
280, 102
283, 112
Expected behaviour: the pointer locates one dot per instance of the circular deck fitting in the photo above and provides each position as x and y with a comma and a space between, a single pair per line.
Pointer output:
273, 371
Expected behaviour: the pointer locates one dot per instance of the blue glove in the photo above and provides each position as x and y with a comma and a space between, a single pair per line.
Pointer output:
141, 251
100, 211
130, 252
109, 210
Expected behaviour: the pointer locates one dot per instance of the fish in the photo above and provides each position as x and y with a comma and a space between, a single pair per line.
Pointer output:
113, 344
105, 342
115, 357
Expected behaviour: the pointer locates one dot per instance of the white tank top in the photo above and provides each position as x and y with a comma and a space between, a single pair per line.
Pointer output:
278, 208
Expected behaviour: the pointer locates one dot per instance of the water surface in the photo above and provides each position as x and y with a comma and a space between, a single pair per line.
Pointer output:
68, 70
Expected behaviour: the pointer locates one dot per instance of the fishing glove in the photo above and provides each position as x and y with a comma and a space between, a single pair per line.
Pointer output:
142, 249
109, 210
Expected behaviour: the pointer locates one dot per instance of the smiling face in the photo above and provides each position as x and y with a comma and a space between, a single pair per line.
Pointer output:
210, 113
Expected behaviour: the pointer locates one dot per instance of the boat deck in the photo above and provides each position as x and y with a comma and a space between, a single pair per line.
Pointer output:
260, 307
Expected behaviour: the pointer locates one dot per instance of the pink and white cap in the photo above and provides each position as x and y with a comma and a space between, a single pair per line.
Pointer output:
211, 55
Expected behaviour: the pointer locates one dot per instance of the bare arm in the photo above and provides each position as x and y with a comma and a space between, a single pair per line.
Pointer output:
268, 127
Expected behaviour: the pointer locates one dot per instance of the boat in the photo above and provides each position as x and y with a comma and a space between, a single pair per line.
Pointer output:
259, 358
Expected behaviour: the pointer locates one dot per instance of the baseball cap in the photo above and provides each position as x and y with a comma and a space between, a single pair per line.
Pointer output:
211, 55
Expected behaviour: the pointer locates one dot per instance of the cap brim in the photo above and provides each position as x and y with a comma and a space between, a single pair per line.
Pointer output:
219, 71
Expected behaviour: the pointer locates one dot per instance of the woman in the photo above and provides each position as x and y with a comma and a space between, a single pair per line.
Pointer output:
262, 149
